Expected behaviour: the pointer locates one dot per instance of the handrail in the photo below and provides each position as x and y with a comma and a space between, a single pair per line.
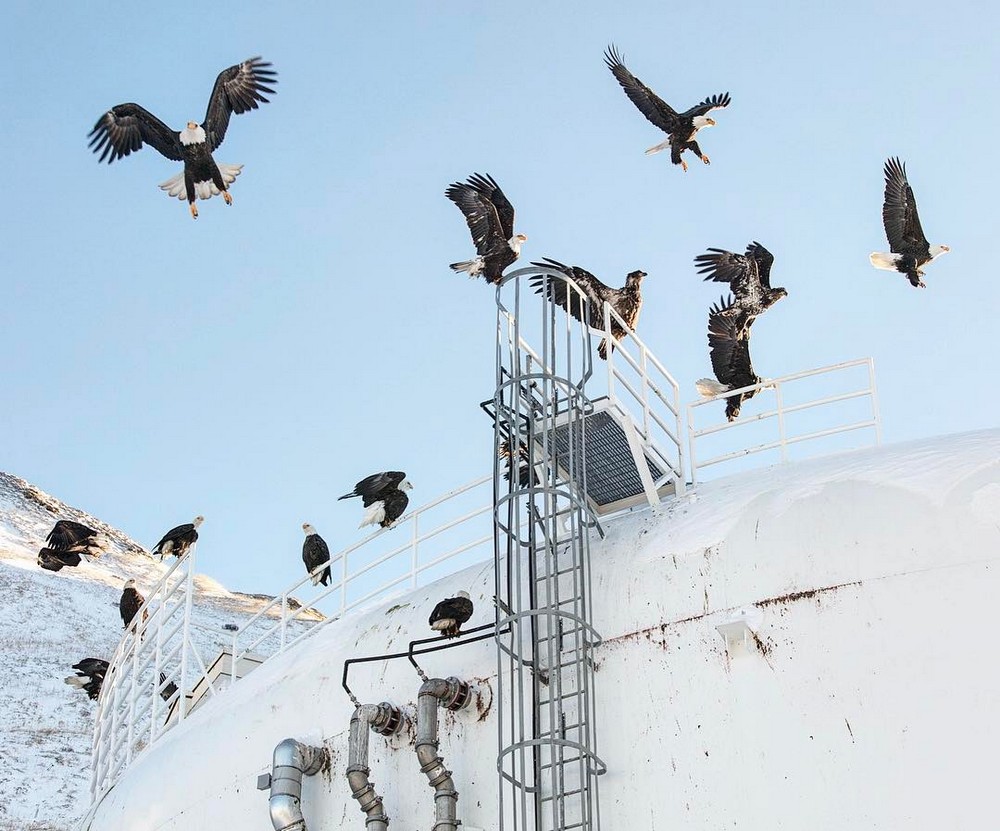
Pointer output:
780, 411
409, 550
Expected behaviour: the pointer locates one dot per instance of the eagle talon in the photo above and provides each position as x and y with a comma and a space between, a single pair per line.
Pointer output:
705, 159
685, 166
227, 197
194, 211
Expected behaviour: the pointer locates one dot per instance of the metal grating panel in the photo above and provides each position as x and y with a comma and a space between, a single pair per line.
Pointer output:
611, 475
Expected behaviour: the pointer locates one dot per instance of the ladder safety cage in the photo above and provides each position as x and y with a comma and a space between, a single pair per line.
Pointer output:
785, 438
547, 758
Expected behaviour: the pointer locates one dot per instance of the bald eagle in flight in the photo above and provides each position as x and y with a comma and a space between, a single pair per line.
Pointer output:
910, 248
748, 276
490, 217
67, 535
449, 615
126, 127
681, 128
315, 552
729, 341
383, 494
178, 540
53, 560
130, 603
626, 301
89, 676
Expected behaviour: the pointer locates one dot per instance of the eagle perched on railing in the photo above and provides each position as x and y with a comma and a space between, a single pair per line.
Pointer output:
626, 301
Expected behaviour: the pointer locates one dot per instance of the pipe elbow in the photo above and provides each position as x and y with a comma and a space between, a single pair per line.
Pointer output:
286, 813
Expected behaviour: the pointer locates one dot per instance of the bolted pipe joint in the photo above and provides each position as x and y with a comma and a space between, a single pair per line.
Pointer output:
452, 694
379, 718
291, 761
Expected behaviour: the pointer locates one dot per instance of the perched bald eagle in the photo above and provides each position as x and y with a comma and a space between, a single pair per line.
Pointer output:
126, 127
681, 128
52, 560
491, 221
729, 341
315, 552
449, 615
67, 535
748, 276
626, 301
130, 603
384, 497
89, 676
178, 540
909, 246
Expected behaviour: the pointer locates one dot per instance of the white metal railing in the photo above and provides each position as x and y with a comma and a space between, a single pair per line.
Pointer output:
135, 707
356, 583
642, 387
780, 412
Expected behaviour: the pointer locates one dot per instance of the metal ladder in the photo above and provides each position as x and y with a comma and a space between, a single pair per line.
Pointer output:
548, 762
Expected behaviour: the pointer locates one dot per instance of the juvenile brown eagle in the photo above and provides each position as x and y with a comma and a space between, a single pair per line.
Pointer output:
909, 247
681, 128
126, 127
626, 301
748, 275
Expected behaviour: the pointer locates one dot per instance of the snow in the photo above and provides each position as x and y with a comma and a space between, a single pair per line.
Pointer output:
48, 622
870, 700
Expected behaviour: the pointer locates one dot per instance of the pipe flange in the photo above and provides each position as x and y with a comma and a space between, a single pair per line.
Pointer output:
388, 720
458, 696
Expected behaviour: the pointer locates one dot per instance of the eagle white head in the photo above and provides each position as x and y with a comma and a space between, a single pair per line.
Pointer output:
308, 529
198, 520
700, 121
129, 584
192, 134
464, 594
406, 485
937, 250
515, 243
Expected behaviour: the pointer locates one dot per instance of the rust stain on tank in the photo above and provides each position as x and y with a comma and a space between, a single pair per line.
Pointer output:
791, 597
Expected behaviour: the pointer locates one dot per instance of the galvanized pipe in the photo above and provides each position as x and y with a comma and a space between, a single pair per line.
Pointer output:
382, 718
453, 694
291, 760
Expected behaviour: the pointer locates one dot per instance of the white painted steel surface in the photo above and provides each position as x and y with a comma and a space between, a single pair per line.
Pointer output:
871, 702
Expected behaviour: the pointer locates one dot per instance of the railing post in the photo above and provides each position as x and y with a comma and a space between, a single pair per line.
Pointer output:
414, 562
645, 392
284, 615
186, 637
874, 396
692, 438
781, 420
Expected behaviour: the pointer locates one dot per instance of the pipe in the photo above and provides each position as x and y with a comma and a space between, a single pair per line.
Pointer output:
452, 694
382, 718
291, 760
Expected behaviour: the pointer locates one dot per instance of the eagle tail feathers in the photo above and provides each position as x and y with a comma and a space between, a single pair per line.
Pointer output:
471, 267
886, 262
656, 148
175, 187
375, 514
708, 387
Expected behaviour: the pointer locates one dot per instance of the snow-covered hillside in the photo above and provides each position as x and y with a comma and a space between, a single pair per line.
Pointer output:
48, 622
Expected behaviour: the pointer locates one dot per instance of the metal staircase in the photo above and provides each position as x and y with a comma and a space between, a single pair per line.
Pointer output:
570, 459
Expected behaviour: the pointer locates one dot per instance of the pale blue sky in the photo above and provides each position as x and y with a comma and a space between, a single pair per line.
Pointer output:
251, 366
